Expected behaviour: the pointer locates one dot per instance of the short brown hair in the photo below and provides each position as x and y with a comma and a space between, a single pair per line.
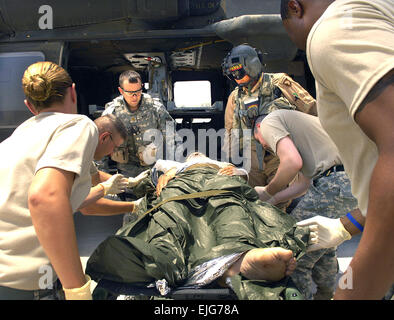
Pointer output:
111, 124
129, 75
45, 83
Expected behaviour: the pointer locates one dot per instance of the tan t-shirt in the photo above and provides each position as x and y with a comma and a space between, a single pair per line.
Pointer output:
63, 141
316, 149
93, 169
349, 49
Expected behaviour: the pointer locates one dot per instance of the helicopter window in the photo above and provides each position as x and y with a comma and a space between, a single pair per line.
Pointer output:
12, 67
192, 94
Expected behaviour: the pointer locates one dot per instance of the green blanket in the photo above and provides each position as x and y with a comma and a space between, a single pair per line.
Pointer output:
179, 235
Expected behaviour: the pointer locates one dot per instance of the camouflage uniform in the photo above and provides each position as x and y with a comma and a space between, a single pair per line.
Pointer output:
328, 196
269, 97
239, 114
151, 114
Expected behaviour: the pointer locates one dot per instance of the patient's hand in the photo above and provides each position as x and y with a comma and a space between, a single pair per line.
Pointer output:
163, 180
229, 170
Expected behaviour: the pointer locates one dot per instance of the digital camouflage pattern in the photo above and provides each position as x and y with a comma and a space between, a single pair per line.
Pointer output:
331, 197
151, 114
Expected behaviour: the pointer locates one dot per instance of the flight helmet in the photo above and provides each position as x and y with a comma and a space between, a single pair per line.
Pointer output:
243, 60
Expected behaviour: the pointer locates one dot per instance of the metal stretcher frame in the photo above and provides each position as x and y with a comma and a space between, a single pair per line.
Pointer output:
180, 293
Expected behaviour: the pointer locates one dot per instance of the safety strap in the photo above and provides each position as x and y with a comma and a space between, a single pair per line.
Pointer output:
193, 195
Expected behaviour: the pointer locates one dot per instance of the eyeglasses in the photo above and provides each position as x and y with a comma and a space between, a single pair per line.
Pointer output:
132, 93
116, 146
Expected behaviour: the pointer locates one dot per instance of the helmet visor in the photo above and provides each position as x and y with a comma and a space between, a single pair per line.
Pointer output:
237, 71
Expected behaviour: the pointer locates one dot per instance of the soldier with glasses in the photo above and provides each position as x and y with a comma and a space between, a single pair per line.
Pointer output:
139, 112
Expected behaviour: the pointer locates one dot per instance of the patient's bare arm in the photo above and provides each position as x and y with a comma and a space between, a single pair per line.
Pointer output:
164, 179
231, 170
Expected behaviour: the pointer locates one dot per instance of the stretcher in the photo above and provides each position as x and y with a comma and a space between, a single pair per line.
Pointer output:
111, 290
189, 197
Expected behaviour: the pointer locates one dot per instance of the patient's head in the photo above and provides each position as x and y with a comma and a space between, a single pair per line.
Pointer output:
195, 155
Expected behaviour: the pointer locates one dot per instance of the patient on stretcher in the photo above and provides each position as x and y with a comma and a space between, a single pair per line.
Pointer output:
271, 264
200, 223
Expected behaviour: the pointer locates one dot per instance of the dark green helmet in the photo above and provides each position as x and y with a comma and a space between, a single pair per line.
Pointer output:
243, 60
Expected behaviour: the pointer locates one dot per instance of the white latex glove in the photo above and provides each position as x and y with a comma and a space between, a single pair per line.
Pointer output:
325, 232
137, 204
82, 293
116, 184
263, 194
132, 182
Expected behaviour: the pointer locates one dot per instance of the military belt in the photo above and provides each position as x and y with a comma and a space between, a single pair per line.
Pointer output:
326, 173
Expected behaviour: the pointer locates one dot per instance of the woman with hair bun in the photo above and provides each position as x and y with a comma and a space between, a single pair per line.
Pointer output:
45, 177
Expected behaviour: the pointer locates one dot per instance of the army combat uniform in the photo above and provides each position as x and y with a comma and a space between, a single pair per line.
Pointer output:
329, 195
243, 106
151, 114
